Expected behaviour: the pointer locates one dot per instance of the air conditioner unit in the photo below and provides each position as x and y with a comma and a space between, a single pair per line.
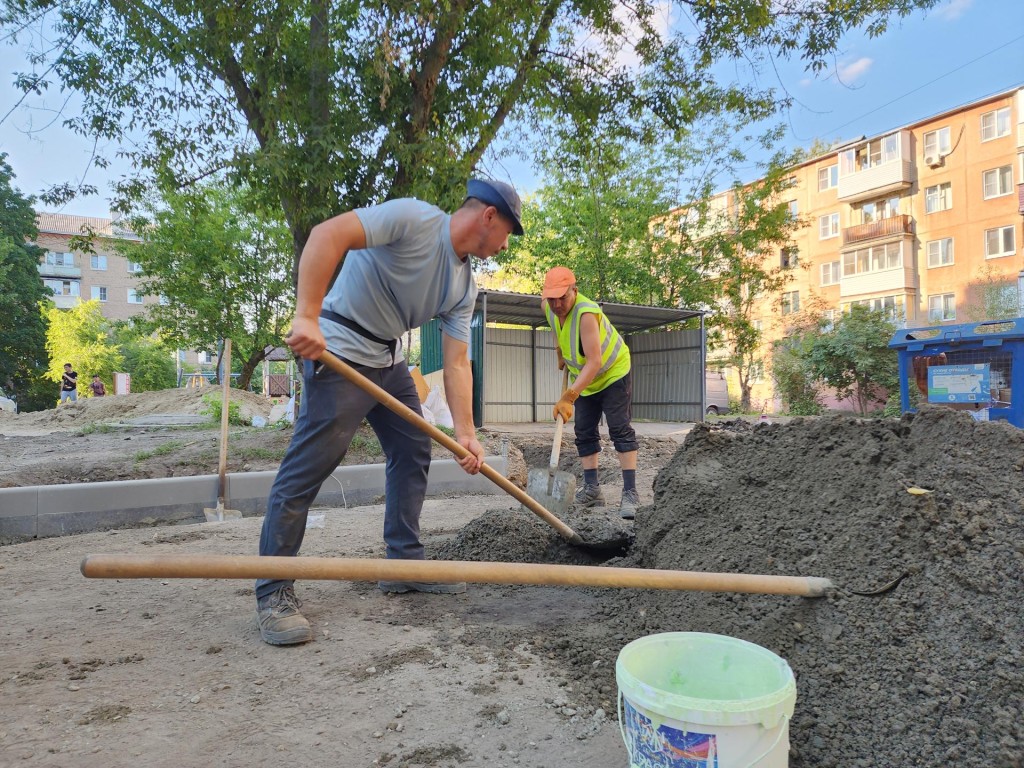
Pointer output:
934, 161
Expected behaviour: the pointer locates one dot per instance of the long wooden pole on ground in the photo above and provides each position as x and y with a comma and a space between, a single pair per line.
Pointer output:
113, 566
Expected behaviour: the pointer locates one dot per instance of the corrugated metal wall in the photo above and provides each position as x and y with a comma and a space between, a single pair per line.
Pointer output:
521, 381
668, 375
509, 374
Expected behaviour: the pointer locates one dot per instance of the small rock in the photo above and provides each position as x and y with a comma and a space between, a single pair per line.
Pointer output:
503, 717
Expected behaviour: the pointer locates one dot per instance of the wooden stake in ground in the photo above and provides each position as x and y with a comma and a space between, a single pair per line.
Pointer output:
220, 513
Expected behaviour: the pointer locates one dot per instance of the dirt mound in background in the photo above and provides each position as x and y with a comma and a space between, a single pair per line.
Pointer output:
121, 408
930, 674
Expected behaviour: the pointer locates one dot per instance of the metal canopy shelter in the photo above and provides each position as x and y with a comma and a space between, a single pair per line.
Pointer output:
514, 378
524, 309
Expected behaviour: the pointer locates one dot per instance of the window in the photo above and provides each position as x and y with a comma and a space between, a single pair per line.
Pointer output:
876, 210
870, 154
940, 252
134, 267
790, 302
995, 124
938, 198
134, 297
757, 371
794, 209
1000, 242
99, 292
828, 178
997, 182
890, 306
830, 273
873, 259
789, 258
828, 226
64, 287
96, 261
828, 319
205, 358
937, 143
941, 307
55, 259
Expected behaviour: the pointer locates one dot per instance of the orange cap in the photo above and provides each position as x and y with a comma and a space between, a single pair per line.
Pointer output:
557, 281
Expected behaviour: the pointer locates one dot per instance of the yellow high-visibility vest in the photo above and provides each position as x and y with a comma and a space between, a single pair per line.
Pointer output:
614, 352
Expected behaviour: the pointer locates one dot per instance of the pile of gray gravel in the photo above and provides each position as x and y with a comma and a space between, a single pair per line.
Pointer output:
929, 674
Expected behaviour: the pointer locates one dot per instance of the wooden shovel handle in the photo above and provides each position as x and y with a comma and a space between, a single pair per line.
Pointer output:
556, 446
407, 413
346, 569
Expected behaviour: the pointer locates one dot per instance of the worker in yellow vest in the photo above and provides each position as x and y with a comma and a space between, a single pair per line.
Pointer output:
598, 360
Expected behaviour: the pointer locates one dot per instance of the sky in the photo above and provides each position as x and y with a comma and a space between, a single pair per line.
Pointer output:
956, 53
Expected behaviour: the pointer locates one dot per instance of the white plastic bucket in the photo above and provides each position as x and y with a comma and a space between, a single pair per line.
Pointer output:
698, 700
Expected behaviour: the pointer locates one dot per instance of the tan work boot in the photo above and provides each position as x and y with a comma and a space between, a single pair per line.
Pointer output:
279, 619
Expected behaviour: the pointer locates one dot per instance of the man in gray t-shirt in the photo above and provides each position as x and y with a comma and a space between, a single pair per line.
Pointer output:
394, 266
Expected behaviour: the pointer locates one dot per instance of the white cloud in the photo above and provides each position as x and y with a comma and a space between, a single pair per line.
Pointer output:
848, 73
805, 82
953, 10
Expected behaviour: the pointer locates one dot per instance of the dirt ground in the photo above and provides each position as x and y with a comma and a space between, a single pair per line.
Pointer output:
150, 672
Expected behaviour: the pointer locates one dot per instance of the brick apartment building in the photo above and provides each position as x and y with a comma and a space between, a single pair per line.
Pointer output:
922, 222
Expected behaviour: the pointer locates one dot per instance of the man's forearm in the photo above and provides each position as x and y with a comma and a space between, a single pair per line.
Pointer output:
458, 387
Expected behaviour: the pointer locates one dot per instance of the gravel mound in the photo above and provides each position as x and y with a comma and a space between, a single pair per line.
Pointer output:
929, 674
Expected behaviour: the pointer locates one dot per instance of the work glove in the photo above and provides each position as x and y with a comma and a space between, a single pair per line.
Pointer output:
563, 407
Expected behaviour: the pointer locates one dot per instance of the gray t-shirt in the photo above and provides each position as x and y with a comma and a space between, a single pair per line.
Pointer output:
407, 275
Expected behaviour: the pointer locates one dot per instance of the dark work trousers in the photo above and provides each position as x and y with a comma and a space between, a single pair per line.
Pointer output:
616, 403
332, 409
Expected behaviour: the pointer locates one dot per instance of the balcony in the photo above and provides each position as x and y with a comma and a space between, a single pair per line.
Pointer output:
878, 181
1020, 198
53, 270
876, 168
894, 226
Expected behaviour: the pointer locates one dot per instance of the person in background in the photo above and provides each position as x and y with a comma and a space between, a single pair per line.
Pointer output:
598, 359
96, 385
68, 385
367, 277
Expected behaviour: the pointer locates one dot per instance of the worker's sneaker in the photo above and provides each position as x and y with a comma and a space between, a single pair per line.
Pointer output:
627, 507
279, 618
431, 587
589, 496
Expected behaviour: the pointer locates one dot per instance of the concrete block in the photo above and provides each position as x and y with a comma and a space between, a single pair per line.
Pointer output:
18, 513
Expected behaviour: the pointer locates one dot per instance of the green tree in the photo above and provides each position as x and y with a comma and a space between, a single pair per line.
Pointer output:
991, 296
327, 106
594, 215
23, 342
794, 380
854, 357
733, 243
149, 361
220, 261
81, 336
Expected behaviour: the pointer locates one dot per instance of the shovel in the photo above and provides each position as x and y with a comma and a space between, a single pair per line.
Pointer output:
553, 488
220, 514
395, 405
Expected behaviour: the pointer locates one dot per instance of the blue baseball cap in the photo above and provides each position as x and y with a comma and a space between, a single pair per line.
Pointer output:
502, 196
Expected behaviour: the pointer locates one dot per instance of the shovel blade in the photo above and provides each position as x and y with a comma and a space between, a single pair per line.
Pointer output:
552, 490
220, 514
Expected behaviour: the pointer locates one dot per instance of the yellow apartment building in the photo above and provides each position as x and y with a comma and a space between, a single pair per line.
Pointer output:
73, 275
923, 222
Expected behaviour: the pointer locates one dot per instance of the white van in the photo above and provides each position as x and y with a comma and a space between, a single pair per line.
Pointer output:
716, 398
